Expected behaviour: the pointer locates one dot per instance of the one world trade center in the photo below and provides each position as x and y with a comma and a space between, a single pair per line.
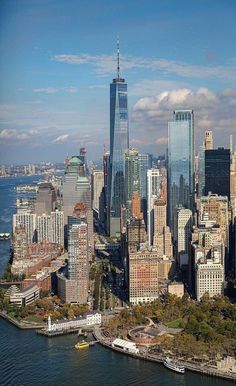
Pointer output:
119, 143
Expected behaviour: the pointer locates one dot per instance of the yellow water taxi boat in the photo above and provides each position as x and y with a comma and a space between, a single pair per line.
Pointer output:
82, 344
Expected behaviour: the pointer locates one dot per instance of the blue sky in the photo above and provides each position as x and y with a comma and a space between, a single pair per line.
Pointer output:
57, 59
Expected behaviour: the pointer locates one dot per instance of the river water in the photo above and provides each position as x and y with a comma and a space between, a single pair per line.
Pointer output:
30, 359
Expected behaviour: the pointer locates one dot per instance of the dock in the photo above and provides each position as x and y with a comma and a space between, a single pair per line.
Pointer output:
203, 369
51, 334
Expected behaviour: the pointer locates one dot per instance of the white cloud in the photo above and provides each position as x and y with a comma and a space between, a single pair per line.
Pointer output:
54, 90
147, 87
212, 111
46, 90
161, 141
105, 65
11, 134
61, 138
71, 89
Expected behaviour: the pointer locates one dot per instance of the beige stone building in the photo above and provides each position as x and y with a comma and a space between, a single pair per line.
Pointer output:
176, 289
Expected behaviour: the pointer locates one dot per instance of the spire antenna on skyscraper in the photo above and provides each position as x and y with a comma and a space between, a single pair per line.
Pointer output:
118, 57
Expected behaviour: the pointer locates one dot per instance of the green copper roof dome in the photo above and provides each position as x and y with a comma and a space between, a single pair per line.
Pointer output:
75, 161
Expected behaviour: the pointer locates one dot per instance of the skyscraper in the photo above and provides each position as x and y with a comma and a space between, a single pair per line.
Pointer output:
74, 170
153, 192
132, 176
145, 162
162, 236
208, 140
136, 206
46, 199
207, 145
57, 220
78, 263
217, 172
97, 179
180, 162
119, 143
104, 202
182, 234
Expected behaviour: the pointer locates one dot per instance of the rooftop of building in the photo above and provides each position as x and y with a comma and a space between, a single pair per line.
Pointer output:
75, 160
81, 317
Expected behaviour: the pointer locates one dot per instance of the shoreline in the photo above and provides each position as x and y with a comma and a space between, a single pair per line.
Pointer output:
191, 366
21, 325
160, 358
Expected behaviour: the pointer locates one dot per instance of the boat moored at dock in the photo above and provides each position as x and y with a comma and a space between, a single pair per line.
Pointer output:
173, 365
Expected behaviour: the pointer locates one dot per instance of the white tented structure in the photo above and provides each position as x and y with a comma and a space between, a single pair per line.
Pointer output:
125, 345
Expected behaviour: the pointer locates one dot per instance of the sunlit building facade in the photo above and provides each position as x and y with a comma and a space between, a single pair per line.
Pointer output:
180, 162
119, 143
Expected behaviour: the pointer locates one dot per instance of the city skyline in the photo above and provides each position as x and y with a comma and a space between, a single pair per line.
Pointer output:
57, 63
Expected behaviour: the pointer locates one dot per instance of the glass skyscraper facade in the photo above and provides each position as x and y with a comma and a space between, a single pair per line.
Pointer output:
145, 162
132, 177
180, 162
217, 172
119, 143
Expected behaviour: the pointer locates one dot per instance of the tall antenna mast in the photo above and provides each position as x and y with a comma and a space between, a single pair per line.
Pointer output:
118, 57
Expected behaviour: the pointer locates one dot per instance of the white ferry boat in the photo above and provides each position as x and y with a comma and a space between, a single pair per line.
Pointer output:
172, 365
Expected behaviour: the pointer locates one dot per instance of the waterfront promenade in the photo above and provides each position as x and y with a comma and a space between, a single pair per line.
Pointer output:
159, 358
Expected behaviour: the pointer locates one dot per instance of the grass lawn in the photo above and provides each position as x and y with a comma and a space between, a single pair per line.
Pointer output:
33, 318
177, 323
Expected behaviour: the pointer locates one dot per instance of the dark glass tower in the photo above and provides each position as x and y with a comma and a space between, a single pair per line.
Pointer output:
217, 172
180, 162
119, 143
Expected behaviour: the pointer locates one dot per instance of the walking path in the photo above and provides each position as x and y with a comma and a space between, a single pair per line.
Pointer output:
207, 370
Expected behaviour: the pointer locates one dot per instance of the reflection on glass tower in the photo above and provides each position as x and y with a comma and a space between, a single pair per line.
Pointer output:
180, 162
119, 143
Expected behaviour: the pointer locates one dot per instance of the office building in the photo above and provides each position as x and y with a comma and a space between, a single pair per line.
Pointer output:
214, 208
74, 169
136, 206
182, 234
145, 163
180, 171
162, 239
119, 143
233, 183
104, 201
136, 235
153, 193
217, 172
46, 199
97, 180
208, 140
132, 177
201, 172
24, 297
143, 277
209, 274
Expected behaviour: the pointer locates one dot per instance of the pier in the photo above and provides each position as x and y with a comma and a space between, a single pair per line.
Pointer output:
78, 331
203, 369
